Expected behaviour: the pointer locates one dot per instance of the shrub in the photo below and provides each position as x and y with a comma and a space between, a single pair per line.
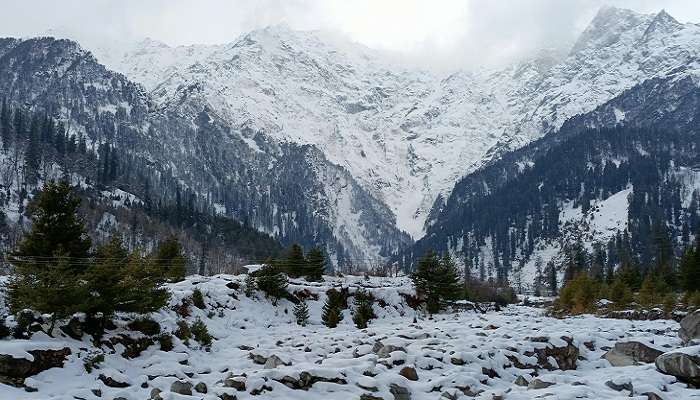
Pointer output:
301, 313
363, 311
93, 360
183, 331
201, 333
166, 342
147, 326
198, 299
272, 282
332, 309
249, 285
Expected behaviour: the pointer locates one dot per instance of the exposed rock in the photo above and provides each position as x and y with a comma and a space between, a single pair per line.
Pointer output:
520, 381
409, 373
565, 356
201, 387
146, 326
226, 396
236, 382
631, 353
155, 394
620, 386
384, 350
273, 362
181, 387
652, 396
307, 380
685, 367
133, 347
111, 381
368, 396
13, 371
74, 328
399, 392
539, 384
690, 327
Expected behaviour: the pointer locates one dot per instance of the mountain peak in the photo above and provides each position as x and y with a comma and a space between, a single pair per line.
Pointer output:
610, 25
663, 23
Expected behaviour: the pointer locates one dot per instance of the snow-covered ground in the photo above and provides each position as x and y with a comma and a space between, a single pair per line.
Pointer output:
455, 355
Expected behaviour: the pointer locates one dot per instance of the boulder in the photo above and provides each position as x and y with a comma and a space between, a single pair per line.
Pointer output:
631, 353
114, 380
307, 380
13, 370
539, 384
690, 327
521, 381
181, 387
620, 386
155, 394
409, 373
384, 350
565, 355
201, 387
236, 382
273, 362
399, 392
684, 365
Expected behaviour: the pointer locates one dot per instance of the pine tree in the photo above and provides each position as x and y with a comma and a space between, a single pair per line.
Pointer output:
647, 292
5, 126
32, 156
249, 285
169, 258
552, 279
436, 281
295, 263
620, 293
363, 311
272, 282
332, 309
316, 264
51, 256
301, 313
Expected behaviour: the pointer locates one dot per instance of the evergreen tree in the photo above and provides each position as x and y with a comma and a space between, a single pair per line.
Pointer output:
272, 282
169, 259
332, 309
552, 279
295, 263
316, 264
51, 256
647, 292
690, 270
32, 156
5, 126
249, 285
363, 311
436, 281
301, 313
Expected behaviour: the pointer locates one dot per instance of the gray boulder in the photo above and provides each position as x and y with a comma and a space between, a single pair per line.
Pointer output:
13, 370
631, 353
690, 327
683, 365
539, 384
181, 387
399, 392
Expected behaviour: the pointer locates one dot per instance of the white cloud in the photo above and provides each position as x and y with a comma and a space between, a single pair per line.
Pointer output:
439, 33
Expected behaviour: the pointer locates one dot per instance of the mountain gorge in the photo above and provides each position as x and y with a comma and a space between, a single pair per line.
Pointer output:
314, 139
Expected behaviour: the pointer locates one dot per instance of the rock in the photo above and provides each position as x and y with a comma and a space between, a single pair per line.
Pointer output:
521, 381
201, 387
133, 347
155, 394
307, 380
236, 382
13, 371
146, 326
652, 396
409, 373
454, 395
685, 367
399, 392
566, 356
226, 396
620, 386
273, 362
112, 381
74, 328
690, 327
181, 387
368, 396
539, 384
384, 350
631, 353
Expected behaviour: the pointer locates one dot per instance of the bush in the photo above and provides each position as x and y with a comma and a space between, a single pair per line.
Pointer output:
578, 295
183, 331
301, 313
332, 309
363, 311
201, 333
198, 299
436, 281
147, 326
93, 360
249, 285
272, 282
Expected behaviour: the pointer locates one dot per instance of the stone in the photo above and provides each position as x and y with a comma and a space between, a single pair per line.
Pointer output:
226, 396
146, 326
399, 392
112, 381
201, 387
539, 384
13, 371
685, 367
236, 382
181, 387
690, 327
384, 350
409, 373
273, 362
369, 396
566, 356
631, 353
521, 381
620, 386
155, 394
652, 396
74, 328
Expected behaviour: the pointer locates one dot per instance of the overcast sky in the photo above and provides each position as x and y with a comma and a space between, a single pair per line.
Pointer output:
428, 31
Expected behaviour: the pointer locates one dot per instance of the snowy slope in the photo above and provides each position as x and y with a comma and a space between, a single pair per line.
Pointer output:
461, 355
407, 135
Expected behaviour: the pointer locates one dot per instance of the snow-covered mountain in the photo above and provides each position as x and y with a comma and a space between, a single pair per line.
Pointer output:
406, 135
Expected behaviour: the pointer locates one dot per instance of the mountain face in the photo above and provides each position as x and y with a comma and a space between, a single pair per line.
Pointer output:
185, 155
406, 135
607, 184
315, 139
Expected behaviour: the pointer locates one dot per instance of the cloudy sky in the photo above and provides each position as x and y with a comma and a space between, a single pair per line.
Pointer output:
426, 31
